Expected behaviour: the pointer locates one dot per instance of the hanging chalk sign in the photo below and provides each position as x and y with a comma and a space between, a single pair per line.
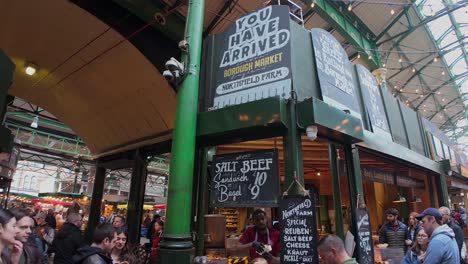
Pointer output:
251, 59
245, 179
298, 230
365, 242
373, 101
335, 72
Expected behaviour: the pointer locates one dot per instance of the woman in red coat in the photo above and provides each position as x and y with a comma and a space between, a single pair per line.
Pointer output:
158, 231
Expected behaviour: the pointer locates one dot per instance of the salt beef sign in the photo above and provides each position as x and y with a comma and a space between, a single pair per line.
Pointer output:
254, 59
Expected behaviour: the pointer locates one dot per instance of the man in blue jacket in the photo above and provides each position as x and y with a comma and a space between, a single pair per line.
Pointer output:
442, 248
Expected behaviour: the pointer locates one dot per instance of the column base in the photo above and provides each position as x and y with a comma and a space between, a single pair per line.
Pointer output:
176, 249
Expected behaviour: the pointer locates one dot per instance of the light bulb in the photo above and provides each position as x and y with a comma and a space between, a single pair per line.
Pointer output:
392, 12
414, 70
312, 5
400, 60
435, 59
370, 57
350, 7
359, 56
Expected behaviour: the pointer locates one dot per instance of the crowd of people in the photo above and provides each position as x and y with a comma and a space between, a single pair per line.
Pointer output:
433, 236
28, 237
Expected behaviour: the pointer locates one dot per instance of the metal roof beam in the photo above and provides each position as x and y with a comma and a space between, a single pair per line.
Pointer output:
406, 33
227, 5
394, 21
345, 26
442, 85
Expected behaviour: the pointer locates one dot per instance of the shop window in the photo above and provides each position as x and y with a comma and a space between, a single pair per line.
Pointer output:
26, 182
33, 184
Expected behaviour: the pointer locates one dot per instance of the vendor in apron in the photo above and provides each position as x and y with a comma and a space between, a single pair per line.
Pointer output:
261, 235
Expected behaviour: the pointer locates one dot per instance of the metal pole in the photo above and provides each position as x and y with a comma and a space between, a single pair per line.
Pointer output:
335, 178
95, 212
202, 203
75, 182
136, 198
176, 245
292, 144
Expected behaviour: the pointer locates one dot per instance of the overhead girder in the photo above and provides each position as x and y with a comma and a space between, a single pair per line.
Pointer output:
402, 35
345, 26
442, 85
457, 32
394, 21
227, 5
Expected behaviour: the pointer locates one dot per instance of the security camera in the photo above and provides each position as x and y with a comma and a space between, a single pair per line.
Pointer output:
174, 65
311, 132
168, 75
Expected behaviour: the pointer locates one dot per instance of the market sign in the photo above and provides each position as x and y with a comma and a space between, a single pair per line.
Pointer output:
245, 179
364, 237
298, 230
376, 175
251, 59
335, 72
405, 181
373, 102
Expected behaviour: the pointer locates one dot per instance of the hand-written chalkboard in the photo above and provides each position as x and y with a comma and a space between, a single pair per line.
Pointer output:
364, 237
298, 230
245, 179
373, 101
335, 72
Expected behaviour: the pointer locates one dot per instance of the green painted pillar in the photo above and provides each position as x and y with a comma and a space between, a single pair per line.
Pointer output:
202, 206
355, 187
292, 145
176, 245
136, 198
95, 212
442, 190
335, 179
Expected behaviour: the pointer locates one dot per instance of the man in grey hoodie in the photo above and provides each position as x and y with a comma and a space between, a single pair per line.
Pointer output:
442, 247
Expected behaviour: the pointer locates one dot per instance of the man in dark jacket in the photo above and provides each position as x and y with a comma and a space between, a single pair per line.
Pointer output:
104, 238
25, 226
447, 219
393, 232
68, 239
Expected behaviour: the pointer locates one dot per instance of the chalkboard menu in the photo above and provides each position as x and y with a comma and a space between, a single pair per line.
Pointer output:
364, 245
373, 102
251, 60
298, 230
335, 72
245, 179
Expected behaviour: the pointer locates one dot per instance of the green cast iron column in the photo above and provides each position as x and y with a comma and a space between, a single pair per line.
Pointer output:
335, 178
355, 186
176, 245
98, 190
136, 198
292, 145
442, 190
202, 202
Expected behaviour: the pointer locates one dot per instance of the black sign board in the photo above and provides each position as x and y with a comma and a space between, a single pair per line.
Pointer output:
409, 182
245, 179
298, 230
373, 101
364, 244
335, 72
376, 175
252, 59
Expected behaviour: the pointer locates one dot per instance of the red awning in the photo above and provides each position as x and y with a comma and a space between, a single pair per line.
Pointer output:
159, 206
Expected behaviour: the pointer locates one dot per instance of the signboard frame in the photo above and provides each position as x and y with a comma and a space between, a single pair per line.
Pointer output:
299, 220
234, 179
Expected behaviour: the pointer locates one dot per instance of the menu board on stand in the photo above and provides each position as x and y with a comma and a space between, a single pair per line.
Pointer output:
364, 244
246, 179
298, 233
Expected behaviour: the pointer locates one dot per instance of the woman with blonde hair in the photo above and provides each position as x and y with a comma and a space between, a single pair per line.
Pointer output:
418, 250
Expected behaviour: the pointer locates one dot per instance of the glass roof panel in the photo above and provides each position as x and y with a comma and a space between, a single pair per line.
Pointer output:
440, 26
459, 67
461, 15
452, 56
